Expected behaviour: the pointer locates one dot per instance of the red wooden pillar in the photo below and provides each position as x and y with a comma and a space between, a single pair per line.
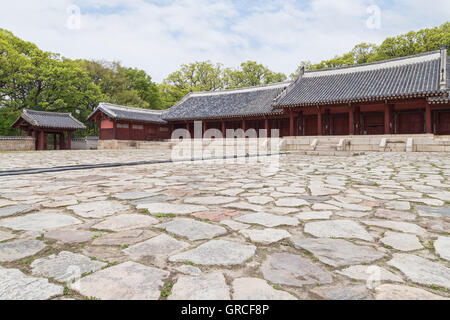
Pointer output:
267, 127
291, 123
114, 132
388, 124
41, 144
428, 119
224, 130
319, 123
357, 118
300, 124
351, 121
69, 140
327, 122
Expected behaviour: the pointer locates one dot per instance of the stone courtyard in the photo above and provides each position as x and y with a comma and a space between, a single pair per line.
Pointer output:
374, 226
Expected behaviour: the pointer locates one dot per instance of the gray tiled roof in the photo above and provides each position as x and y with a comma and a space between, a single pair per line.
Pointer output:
128, 113
397, 78
251, 101
49, 120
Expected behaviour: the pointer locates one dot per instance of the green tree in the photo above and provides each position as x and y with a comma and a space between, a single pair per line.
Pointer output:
250, 74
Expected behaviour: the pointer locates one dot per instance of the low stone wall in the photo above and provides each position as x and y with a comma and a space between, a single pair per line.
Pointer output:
17, 144
87, 143
131, 144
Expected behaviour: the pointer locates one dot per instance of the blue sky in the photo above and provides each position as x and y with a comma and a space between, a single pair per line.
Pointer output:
158, 36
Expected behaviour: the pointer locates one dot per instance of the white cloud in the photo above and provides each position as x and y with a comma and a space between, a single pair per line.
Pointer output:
158, 35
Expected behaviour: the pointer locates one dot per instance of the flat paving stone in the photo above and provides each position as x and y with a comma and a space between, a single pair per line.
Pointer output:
401, 241
396, 225
189, 270
263, 200
234, 225
133, 195
322, 191
370, 272
442, 247
69, 235
212, 200
12, 210
291, 202
122, 238
211, 286
124, 222
19, 249
99, 209
217, 252
402, 292
257, 289
265, 236
267, 220
192, 229
342, 292
216, 215
244, 206
421, 270
15, 285
65, 266
170, 208
425, 211
6, 236
337, 252
126, 281
395, 215
347, 229
155, 199
39, 221
293, 270
162, 245
314, 215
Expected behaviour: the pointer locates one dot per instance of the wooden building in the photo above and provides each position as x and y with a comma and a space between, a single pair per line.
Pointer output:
48, 126
125, 123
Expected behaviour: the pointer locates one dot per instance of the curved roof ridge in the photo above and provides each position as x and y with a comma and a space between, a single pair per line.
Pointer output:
243, 89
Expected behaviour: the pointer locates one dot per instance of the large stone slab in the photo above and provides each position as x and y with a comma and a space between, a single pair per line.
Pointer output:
342, 292
314, 215
257, 289
291, 202
216, 215
65, 266
69, 235
293, 270
192, 229
396, 225
14, 285
267, 220
217, 252
122, 238
12, 210
6, 236
210, 286
39, 221
170, 208
124, 222
394, 215
126, 281
265, 236
442, 247
421, 270
370, 272
99, 209
401, 292
18, 249
263, 200
401, 241
425, 211
347, 229
162, 245
134, 195
211, 200
338, 252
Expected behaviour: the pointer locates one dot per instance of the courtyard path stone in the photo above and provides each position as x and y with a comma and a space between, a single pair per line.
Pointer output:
337, 252
267, 220
134, 195
257, 289
170, 208
322, 191
12, 210
159, 246
189, 270
192, 229
217, 252
65, 266
395, 215
401, 241
421, 270
6, 236
69, 235
212, 200
244, 206
338, 229
263, 200
123, 238
293, 270
401, 292
39, 221
234, 225
433, 211
216, 215
342, 293
315, 215
210, 286
98, 209
367, 272
396, 225
126, 222
442, 247
18, 249
126, 281
291, 202
15, 285
265, 236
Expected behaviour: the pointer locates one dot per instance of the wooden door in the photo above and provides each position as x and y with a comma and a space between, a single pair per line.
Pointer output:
340, 125
373, 123
410, 122
443, 123
310, 125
